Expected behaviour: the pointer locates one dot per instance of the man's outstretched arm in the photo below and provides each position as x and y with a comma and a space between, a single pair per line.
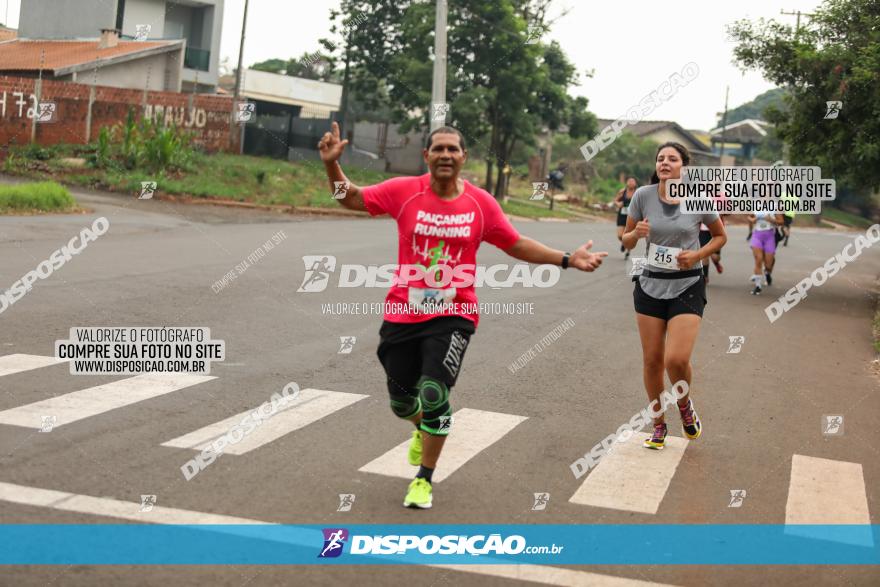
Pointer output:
531, 251
331, 149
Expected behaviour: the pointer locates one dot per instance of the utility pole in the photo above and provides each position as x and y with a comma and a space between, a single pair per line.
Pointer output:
724, 121
438, 90
237, 93
797, 27
785, 145
241, 53
345, 82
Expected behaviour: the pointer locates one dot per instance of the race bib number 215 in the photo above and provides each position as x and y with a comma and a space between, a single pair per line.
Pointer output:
664, 257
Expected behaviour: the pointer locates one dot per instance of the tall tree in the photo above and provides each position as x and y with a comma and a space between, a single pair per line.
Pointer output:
316, 66
834, 56
504, 86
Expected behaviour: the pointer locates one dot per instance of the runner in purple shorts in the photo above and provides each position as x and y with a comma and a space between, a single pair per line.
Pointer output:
763, 242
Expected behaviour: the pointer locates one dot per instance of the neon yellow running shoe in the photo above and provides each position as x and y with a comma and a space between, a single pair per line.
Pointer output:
415, 449
418, 495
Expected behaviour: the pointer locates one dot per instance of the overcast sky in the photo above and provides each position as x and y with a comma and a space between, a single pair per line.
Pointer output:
633, 46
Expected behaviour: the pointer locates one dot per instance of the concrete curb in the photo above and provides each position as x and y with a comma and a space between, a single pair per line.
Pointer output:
281, 208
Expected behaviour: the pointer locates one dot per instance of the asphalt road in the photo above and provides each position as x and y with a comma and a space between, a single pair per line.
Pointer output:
156, 267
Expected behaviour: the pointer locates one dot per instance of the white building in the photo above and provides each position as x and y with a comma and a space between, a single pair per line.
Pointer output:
197, 22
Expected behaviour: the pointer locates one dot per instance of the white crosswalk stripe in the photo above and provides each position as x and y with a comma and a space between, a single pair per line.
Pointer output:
77, 405
472, 432
310, 406
632, 478
824, 491
17, 363
113, 508
550, 575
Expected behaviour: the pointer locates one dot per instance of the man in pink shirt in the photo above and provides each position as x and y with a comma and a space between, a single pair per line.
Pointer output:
430, 311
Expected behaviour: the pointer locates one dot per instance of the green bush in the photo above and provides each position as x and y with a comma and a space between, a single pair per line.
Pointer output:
606, 188
102, 149
143, 145
34, 151
45, 196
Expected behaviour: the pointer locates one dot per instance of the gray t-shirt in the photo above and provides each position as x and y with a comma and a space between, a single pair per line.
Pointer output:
669, 228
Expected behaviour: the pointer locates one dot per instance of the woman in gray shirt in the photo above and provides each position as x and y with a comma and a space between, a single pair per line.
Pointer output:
670, 294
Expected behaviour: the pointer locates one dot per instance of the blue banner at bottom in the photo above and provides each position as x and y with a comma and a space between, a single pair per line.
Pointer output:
635, 544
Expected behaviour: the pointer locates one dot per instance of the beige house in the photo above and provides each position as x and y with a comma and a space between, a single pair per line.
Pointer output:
661, 131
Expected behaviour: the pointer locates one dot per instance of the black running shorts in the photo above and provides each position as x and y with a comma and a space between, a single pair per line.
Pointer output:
434, 348
691, 301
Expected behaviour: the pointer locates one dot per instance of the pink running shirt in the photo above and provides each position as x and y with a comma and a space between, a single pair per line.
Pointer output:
432, 232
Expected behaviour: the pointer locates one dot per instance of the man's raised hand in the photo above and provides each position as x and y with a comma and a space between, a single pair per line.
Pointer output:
330, 146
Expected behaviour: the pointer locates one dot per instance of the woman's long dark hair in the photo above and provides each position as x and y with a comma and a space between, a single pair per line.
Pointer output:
682, 152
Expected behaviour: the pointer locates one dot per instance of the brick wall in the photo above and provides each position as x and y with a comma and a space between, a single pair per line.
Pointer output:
82, 110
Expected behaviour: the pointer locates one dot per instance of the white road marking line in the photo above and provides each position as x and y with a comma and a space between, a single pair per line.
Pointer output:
113, 508
632, 478
310, 406
550, 575
472, 432
129, 510
17, 363
92, 401
824, 491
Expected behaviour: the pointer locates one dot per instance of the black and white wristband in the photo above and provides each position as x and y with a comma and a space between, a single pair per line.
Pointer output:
565, 258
